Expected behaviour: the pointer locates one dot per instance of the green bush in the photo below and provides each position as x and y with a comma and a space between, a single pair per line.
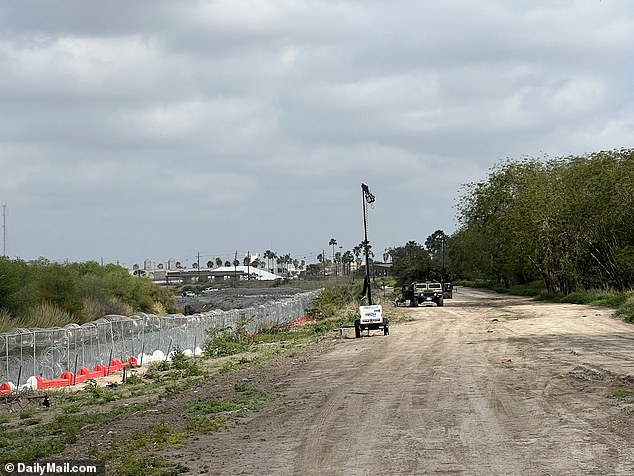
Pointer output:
328, 303
626, 309
41, 293
224, 342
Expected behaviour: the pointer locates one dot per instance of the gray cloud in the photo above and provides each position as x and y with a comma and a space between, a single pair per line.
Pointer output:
133, 130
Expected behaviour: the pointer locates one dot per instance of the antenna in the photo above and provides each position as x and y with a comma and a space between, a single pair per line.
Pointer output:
4, 229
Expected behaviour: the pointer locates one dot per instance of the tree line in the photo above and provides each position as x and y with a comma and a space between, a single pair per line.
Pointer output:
421, 262
567, 221
42, 293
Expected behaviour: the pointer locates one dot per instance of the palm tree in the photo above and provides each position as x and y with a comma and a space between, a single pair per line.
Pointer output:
286, 260
218, 262
348, 258
333, 242
210, 264
357, 254
268, 254
322, 259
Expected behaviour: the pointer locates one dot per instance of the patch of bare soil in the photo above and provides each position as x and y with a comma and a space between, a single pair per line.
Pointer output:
485, 385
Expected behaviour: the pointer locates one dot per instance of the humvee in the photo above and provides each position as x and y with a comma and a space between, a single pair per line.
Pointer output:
422, 293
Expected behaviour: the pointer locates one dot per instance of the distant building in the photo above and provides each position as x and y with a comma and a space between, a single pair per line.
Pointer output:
222, 273
378, 269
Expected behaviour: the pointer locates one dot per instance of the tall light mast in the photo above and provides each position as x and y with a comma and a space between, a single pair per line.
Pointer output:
368, 199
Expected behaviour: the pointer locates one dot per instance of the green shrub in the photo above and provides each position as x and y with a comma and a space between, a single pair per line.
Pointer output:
224, 342
626, 309
41, 293
46, 314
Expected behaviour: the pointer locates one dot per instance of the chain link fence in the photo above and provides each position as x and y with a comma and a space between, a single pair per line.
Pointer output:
49, 352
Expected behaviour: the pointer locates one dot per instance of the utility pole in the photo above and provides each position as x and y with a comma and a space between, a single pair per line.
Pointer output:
235, 270
4, 229
367, 198
442, 266
323, 258
333, 242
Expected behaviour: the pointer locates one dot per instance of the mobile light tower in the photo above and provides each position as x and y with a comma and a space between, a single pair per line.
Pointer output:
371, 316
368, 199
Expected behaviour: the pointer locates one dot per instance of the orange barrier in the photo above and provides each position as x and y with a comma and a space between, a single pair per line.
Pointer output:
5, 388
67, 379
102, 369
64, 380
84, 374
300, 320
116, 364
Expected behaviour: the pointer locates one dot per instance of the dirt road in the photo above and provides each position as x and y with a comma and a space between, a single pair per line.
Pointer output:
486, 385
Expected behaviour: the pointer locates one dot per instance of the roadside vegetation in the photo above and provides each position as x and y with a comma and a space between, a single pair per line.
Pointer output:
30, 431
567, 222
557, 229
41, 293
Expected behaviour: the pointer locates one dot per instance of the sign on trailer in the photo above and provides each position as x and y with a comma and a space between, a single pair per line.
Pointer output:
371, 314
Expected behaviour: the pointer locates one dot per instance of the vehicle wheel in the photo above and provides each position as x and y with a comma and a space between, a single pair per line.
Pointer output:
440, 302
357, 329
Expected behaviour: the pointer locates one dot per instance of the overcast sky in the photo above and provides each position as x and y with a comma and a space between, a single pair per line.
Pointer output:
134, 130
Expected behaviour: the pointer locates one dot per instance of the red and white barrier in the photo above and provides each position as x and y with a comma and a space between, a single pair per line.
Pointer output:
300, 320
67, 379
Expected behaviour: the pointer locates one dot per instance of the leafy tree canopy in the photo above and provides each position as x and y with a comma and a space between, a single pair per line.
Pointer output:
410, 262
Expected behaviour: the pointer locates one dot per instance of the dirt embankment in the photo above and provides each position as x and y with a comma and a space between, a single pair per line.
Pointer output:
236, 298
486, 385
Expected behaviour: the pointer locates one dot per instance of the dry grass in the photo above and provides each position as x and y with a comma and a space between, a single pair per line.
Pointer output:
96, 308
6, 321
44, 314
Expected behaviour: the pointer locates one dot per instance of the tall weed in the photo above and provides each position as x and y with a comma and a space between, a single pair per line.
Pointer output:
6, 320
45, 314
627, 308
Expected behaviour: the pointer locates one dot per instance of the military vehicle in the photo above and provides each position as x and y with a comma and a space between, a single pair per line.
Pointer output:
422, 293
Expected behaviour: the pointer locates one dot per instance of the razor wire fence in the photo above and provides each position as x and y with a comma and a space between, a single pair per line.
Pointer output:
51, 351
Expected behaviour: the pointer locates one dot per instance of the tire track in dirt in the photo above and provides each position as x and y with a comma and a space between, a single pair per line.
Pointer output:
452, 391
